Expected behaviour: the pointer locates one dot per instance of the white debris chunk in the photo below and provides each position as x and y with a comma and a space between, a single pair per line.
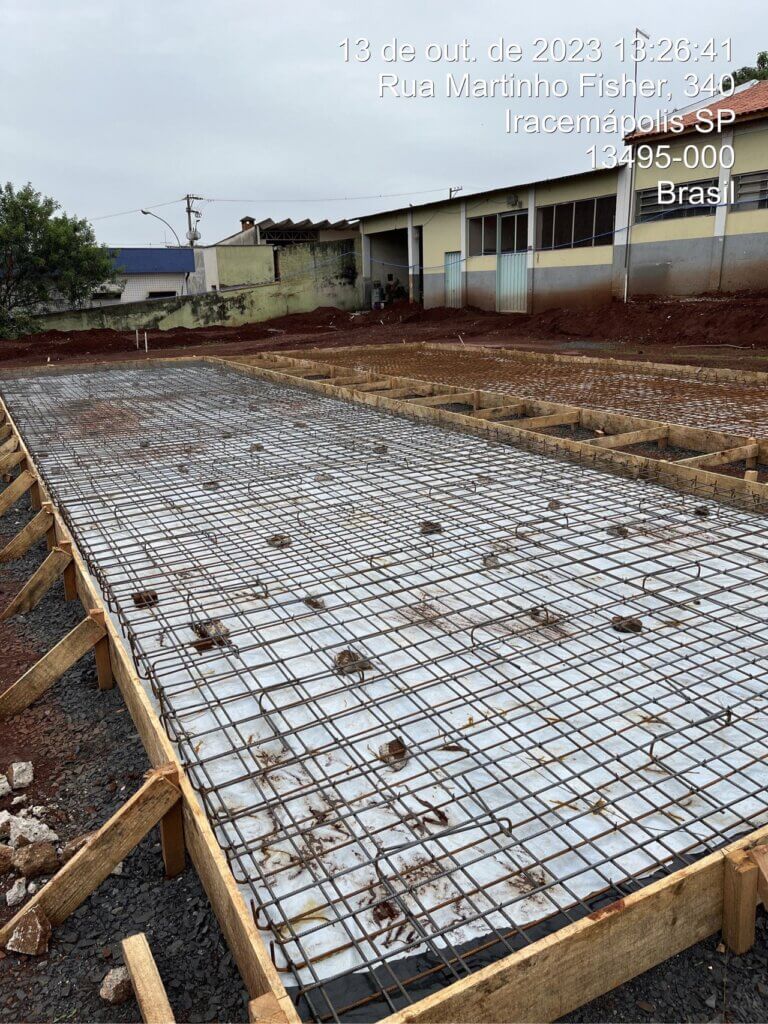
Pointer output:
5, 786
28, 830
21, 774
17, 893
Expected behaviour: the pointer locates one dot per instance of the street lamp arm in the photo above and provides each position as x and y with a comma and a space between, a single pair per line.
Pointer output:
148, 213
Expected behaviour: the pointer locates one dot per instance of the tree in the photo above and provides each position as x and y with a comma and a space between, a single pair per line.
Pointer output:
45, 257
747, 74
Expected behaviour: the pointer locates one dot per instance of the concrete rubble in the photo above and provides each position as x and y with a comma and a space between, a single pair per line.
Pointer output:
116, 987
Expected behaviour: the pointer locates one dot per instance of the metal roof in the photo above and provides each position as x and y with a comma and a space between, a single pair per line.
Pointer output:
154, 261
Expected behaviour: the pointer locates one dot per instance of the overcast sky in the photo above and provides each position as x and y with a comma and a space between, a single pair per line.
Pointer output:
112, 106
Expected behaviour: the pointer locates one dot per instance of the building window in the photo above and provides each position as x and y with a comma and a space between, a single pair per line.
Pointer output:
576, 225
513, 232
648, 207
481, 235
161, 295
751, 191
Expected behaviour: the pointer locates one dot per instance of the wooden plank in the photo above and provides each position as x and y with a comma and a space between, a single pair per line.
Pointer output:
760, 856
739, 899
10, 445
374, 385
562, 971
15, 490
10, 461
458, 398
38, 584
265, 1010
51, 667
147, 983
721, 458
631, 437
27, 537
172, 841
499, 412
76, 880
417, 391
555, 419
5, 431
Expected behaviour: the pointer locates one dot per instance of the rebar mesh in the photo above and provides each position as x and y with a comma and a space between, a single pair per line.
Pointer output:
669, 395
437, 694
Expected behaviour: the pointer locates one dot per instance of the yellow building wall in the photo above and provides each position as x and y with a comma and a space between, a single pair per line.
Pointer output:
750, 146
579, 188
594, 256
441, 233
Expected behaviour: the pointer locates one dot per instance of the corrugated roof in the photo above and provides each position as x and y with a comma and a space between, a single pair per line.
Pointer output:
749, 103
154, 261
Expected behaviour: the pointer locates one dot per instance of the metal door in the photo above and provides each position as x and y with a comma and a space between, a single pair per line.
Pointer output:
512, 282
453, 279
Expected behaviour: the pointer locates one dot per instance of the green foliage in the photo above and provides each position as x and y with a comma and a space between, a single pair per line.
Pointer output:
45, 257
759, 71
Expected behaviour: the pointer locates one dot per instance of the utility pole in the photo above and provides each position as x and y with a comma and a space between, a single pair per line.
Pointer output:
453, 189
192, 233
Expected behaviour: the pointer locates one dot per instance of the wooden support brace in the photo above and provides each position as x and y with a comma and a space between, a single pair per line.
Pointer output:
29, 535
51, 667
9, 446
78, 878
374, 385
631, 437
760, 856
739, 901
413, 392
5, 431
555, 419
14, 491
10, 460
459, 398
51, 536
147, 983
721, 458
499, 412
39, 583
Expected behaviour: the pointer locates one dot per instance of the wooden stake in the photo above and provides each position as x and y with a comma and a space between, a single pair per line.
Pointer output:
70, 573
78, 878
266, 1010
38, 584
739, 900
760, 856
51, 667
172, 841
147, 983
14, 491
28, 536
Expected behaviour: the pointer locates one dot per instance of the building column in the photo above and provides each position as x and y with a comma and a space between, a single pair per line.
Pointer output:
413, 259
721, 214
531, 251
463, 246
365, 241
621, 233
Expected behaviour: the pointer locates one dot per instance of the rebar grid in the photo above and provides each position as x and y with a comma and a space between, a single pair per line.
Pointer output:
633, 388
419, 716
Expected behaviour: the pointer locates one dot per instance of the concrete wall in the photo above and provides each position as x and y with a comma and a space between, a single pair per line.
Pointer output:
244, 264
322, 275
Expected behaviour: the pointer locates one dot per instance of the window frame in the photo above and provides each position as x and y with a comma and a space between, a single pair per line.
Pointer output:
480, 221
658, 214
760, 178
550, 212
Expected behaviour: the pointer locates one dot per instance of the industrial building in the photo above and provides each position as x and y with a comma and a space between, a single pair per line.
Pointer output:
586, 238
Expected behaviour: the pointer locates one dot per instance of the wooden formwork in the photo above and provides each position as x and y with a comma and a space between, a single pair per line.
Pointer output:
613, 431
561, 971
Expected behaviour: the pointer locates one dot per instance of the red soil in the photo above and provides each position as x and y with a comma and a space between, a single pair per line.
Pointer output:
728, 330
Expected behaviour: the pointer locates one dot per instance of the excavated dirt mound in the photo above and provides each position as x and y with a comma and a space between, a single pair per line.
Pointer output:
708, 322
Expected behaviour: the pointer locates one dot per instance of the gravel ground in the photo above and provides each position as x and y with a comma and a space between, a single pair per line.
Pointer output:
88, 759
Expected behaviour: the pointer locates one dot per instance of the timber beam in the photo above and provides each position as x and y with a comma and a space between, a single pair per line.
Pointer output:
28, 536
39, 583
146, 981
